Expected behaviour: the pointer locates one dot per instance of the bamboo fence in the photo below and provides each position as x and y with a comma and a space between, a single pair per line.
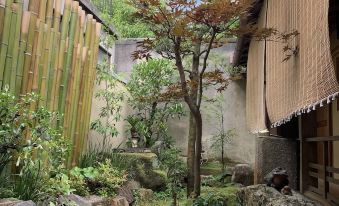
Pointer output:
52, 50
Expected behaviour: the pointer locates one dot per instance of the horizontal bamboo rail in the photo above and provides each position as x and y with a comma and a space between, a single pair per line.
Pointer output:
51, 49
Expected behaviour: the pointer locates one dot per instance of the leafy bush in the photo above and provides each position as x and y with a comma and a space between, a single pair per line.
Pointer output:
211, 200
95, 155
103, 180
176, 170
40, 151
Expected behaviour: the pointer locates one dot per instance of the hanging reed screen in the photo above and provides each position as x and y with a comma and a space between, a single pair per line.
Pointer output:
50, 47
307, 80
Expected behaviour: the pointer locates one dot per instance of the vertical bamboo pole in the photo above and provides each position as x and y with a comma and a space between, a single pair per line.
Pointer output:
2, 16
72, 80
75, 117
49, 13
95, 47
62, 52
23, 44
71, 98
88, 97
44, 68
15, 53
83, 82
55, 52
42, 10
66, 74
83, 131
12, 47
5, 39
31, 47
37, 57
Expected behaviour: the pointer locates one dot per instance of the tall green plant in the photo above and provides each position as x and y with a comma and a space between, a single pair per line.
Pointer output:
148, 82
176, 170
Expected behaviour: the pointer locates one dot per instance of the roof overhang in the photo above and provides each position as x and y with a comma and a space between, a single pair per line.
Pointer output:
243, 43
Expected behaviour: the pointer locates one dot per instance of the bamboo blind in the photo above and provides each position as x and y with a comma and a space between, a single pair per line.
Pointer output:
255, 95
307, 80
51, 49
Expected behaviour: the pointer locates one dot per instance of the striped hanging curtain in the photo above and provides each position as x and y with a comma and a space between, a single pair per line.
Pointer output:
307, 80
255, 98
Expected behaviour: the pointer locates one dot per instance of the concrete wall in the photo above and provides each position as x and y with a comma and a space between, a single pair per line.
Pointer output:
242, 147
94, 137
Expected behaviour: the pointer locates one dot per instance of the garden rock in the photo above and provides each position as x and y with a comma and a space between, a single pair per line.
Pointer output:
145, 194
25, 203
133, 185
243, 174
258, 195
9, 201
92, 200
124, 191
119, 201
151, 179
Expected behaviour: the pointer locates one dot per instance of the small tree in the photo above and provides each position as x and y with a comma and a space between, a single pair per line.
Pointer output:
148, 81
220, 140
175, 167
191, 29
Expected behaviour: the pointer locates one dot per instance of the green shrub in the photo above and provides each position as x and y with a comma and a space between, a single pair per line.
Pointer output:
210, 200
103, 180
39, 149
94, 156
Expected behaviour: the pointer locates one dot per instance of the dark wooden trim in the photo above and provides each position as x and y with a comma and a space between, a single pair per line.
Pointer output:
315, 166
332, 169
332, 199
322, 139
316, 175
332, 180
324, 173
314, 190
303, 170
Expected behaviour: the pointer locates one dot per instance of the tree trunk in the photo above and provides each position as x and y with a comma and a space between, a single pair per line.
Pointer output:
191, 155
198, 148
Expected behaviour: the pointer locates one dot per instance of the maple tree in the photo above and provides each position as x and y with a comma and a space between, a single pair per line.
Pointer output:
190, 29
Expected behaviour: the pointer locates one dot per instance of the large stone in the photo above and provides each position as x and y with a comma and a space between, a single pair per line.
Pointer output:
92, 200
259, 195
16, 202
273, 152
133, 185
145, 194
119, 201
151, 179
150, 160
25, 203
9, 201
243, 174
124, 191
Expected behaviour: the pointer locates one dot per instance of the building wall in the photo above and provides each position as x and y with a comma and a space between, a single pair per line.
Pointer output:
94, 137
